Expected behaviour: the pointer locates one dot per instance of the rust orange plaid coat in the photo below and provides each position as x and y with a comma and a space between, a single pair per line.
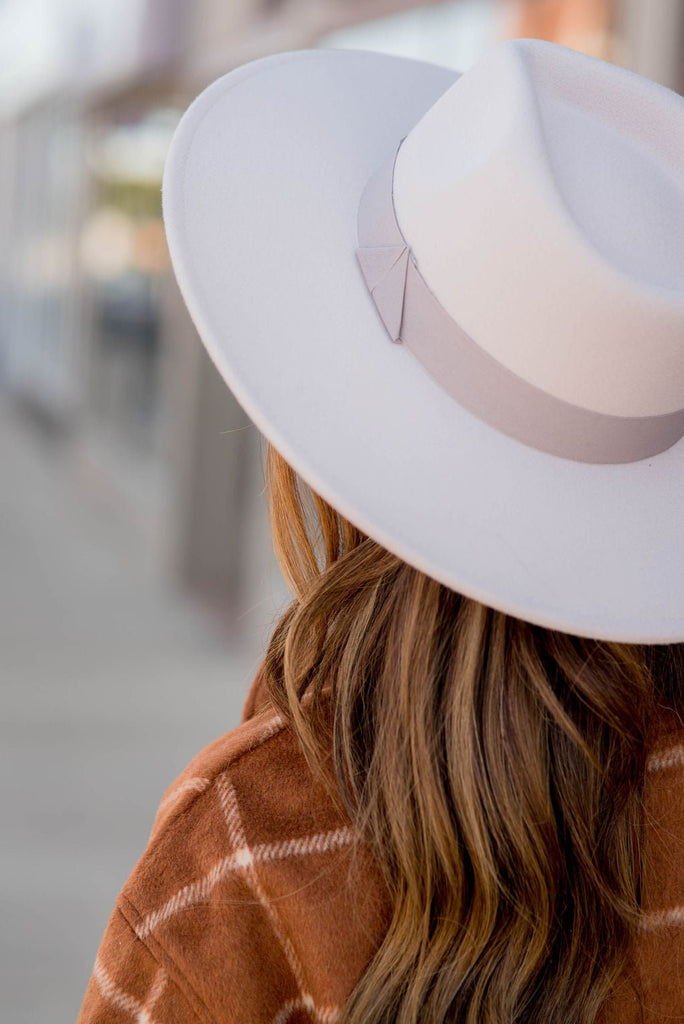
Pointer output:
247, 906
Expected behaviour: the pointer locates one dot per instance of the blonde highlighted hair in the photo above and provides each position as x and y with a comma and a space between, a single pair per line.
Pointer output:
494, 767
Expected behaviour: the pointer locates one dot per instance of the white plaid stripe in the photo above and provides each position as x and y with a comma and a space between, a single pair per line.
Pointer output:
672, 917
231, 813
238, 861
323, 842
195, 785
158, 987
140, 1012
673, 757
285, 1012
113, 994
237, 836
198, 783
324, 1015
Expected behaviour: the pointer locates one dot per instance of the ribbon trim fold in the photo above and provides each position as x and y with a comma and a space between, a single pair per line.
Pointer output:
413, 316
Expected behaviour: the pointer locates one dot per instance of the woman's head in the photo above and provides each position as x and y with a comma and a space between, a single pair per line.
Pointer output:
495, 768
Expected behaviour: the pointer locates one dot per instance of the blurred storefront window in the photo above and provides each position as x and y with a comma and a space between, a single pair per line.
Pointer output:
580, 24
40, 306
123, 257
450, 33
454, 32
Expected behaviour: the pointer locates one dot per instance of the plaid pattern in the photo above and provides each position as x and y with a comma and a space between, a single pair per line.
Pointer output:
253, 905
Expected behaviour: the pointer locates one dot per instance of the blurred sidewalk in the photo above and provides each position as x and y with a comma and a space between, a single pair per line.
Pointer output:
109, 683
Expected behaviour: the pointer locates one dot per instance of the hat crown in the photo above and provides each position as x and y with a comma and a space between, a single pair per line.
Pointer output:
289, 319
542, 196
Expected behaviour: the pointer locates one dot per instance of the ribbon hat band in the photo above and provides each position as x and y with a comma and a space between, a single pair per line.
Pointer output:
415, 318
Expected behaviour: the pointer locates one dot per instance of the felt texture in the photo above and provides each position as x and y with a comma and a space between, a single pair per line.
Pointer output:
261, 193
414, 316
253, 905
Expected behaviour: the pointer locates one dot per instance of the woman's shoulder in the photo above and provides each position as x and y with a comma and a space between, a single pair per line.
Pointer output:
240, 898
264, 731
257, 775
247, 799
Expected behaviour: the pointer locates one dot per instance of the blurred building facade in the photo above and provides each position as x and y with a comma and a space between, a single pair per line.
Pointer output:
94, 337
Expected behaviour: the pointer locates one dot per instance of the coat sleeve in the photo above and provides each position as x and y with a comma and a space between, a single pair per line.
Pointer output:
196, 934
128, 985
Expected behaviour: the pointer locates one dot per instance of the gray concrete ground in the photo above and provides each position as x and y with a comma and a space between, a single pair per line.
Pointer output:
110, 681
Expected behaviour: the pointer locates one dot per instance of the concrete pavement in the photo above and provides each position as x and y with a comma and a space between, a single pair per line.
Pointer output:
110, 681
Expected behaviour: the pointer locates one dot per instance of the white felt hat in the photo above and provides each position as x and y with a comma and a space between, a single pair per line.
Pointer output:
519, 230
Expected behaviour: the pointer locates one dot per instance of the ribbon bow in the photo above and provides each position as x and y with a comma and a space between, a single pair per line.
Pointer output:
413, 316
384, 268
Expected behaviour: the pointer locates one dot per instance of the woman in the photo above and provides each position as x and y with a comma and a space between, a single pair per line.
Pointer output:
456, 794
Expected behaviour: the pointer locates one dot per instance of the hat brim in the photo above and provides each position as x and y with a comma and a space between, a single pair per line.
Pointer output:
260, 195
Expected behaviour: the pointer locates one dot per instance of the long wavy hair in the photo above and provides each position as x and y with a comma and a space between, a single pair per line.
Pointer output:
494, 767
